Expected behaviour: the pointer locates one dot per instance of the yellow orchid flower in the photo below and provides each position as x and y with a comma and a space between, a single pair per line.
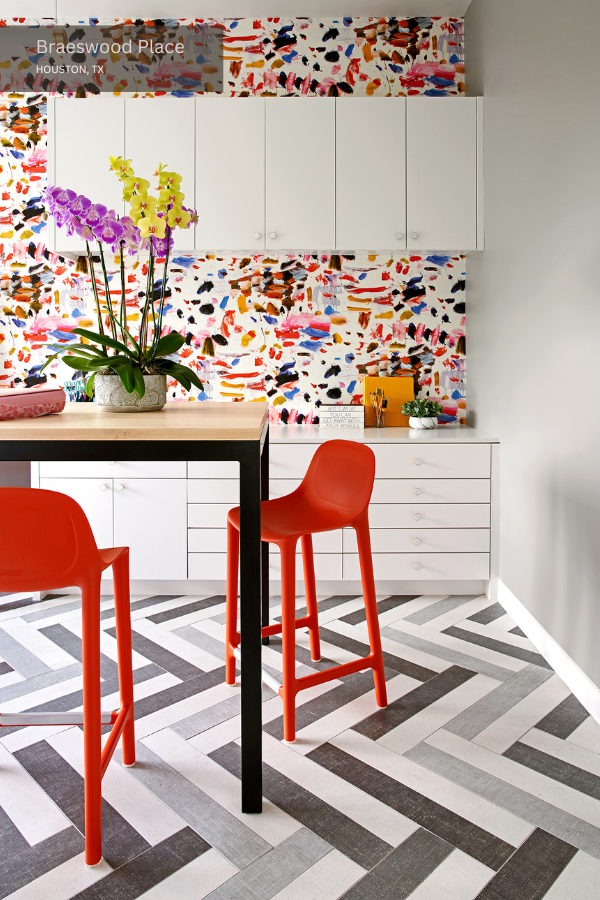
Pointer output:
142, 205
169, 179
133, 184
171, 197
121, 166
153, 226
178, 217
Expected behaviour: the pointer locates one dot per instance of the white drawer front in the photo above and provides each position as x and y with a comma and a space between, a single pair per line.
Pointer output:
431, 490
279, 487
213, 566
216, 490
401, 566
290, 460
208, 515
432, 460
116, 469
220, 469
214, 540
424, 540
429, 515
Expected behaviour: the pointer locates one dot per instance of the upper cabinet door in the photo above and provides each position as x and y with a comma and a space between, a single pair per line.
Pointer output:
370, 177
441, 173
83, 136
161, 130
230, 173
301, 173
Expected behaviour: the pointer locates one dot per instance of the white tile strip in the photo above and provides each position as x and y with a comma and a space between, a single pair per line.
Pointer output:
23, 800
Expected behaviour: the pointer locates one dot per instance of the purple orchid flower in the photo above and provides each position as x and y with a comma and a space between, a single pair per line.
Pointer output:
95, 214
81, 205
109, 231
65, 198
83, 231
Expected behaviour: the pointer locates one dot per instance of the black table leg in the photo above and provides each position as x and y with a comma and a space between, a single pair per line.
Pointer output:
264, 492
250, 628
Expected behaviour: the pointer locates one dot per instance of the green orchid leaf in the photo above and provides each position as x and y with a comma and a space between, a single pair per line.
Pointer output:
83, 364
125, 373
103, 339
178, 372
140, 387
89, 386
167, 345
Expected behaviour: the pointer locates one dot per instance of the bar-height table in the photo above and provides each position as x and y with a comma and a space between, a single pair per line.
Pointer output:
182, 431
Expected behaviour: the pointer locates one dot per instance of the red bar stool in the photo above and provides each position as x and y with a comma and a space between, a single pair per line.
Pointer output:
334, 493
67, 556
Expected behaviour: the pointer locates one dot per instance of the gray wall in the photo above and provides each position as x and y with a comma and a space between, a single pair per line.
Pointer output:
533, 310
14, 474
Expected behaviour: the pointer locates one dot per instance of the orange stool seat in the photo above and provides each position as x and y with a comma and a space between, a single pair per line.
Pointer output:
66, 555
334, 493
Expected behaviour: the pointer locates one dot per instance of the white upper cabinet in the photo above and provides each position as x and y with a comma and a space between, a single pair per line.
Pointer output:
161, 130
441, 173
230, 173
370, 173
300, 173
82, 134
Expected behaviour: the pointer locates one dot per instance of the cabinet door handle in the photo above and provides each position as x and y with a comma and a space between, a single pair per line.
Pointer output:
103, 487
272, 235
417, 541
418, 461
417, 566
414, 235
120, 487
417, 516
256, 235
418, 492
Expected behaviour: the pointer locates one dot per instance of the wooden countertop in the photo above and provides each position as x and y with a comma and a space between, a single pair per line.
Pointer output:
178, 421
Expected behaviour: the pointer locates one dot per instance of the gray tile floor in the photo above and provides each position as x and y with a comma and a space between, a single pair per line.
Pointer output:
480, 780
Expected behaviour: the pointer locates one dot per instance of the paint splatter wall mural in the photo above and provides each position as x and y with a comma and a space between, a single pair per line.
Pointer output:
296, 330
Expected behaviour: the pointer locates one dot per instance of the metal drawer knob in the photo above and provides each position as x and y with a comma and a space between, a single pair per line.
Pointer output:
417, 516
256, 235
415, 235
272, 235
418, 492
417, 566
102, 487
399, 235
417, 541
120, 487
418, 461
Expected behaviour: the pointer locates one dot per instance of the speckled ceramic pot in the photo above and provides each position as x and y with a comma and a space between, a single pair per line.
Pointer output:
111, 396
425, 422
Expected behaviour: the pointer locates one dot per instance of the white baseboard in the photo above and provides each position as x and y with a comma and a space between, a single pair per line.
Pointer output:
575, 678
418, 588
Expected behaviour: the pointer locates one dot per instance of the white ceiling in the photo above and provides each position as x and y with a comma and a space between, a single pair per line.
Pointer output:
147, 9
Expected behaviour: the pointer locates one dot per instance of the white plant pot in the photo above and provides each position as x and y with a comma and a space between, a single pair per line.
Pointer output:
111, 396
426, 422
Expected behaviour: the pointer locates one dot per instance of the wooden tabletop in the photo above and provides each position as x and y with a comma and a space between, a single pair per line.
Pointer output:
178, 421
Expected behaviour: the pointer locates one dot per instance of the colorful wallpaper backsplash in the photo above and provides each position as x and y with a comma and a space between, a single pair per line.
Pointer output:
296, 330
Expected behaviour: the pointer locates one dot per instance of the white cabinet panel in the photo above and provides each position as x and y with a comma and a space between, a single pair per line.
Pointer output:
431, 490
432, 460
218, 469
300, 173
115, 469
370, 173
208, 515
441, 173
328, 566
279, 487
150, 519
84, 135
161, 130
290, 460
217, 490
423, 540
230, 173
429, 515
95, 496
214, 540
430, 566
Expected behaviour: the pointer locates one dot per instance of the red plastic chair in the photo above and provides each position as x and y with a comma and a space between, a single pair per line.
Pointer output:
334, 493
66, 555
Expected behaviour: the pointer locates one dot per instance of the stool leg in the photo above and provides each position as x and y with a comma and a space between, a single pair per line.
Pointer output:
288, 621
91, 722
232, 638
368, 583
123, 625
308, 563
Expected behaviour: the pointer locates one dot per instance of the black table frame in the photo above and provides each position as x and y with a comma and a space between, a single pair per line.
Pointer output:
253, 457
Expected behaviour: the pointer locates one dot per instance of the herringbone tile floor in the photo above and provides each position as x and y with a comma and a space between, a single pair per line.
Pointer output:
480, 780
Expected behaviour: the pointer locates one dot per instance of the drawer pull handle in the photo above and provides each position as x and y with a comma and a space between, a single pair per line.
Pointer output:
120, 487
399, 235
417, 566
102, 487
417, 541
256, 235
417, 516
272, 235
418, 491
418, 461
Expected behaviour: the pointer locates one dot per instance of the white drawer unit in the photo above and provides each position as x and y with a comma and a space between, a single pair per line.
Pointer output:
208, 515
213, 566
432, 461
214, 540
215, 490
429, 515
431, 490
113, 469
424, 540
219, 469
421, 567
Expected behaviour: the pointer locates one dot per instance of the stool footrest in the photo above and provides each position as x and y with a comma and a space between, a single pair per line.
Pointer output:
349, 668
51, 718
266, 676
268, 630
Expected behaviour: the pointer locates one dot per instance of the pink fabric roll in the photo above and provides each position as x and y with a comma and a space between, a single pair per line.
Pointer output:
27, 403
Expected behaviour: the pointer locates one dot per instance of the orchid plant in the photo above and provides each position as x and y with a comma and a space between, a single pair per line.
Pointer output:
149, 227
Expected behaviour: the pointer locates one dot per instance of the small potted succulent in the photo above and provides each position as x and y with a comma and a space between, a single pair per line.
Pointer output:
129, 372
423, 413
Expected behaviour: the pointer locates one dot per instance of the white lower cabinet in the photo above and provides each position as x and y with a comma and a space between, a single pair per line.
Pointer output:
95, 496
423, 566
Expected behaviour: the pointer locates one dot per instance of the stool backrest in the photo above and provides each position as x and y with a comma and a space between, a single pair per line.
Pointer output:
340, 476
46, 541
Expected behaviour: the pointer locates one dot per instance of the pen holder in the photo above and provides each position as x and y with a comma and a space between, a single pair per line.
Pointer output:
379, 404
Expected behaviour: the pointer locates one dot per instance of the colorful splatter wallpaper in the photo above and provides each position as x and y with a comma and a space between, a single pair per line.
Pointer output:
293, 330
